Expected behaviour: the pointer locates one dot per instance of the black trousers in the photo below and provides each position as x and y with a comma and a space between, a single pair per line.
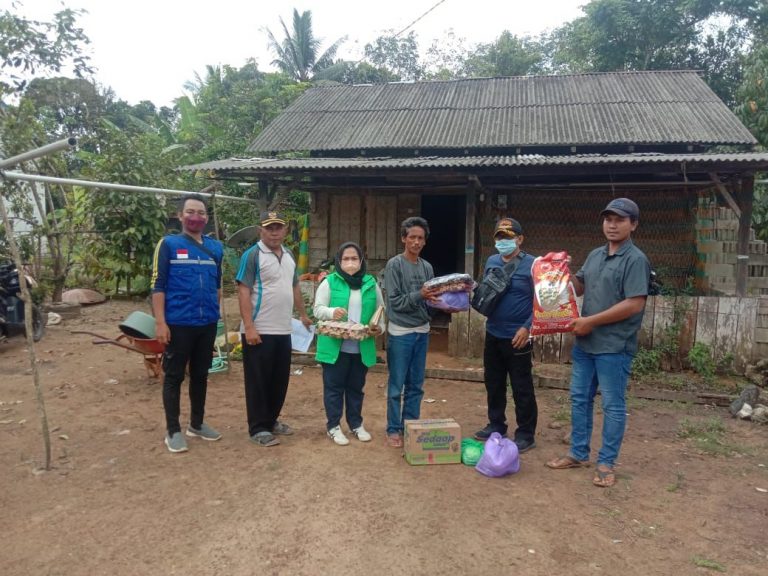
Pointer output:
343, 383
191, 345
267, 368
500, 360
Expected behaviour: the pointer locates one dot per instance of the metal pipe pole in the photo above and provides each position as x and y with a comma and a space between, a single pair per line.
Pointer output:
109, 186
38, 152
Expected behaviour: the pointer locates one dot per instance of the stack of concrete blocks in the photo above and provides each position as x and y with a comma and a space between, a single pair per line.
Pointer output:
716, 240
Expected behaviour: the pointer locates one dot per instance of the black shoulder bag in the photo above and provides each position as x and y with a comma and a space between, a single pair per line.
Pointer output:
493, 285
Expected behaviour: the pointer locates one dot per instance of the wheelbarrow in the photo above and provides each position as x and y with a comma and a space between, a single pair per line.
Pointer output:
150, 348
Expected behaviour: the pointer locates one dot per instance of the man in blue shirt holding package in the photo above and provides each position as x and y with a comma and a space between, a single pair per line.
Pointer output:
508, 349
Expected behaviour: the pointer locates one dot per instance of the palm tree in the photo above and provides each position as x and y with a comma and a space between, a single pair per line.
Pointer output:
297, 54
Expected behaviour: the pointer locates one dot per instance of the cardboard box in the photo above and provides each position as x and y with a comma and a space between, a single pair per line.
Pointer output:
436, 441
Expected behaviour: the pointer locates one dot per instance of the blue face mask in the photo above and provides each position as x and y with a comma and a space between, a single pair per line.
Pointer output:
506, 246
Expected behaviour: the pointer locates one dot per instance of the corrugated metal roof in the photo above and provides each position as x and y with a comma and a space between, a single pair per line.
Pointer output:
255, 165
654, 107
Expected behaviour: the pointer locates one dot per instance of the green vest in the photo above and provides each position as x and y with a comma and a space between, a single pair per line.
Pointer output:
328, 348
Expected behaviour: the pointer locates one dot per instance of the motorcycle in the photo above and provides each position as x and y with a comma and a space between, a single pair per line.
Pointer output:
12, 310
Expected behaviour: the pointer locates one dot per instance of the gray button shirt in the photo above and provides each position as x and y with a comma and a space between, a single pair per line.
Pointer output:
607, 281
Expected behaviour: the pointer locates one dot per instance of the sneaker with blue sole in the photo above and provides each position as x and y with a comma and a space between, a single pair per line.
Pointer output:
175, 442
205, 432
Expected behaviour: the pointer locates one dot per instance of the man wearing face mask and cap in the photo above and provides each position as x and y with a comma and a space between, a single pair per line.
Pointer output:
347, 294
508, 348
186, 291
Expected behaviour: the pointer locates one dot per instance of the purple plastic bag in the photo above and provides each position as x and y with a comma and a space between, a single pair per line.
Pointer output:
500, 457
451, 302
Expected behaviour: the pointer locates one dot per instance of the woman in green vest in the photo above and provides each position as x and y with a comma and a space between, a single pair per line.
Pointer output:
347, 294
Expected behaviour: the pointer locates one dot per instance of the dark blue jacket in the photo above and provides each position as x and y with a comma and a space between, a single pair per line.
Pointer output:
190, 278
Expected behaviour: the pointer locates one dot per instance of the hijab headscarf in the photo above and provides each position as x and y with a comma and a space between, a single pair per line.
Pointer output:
355, 280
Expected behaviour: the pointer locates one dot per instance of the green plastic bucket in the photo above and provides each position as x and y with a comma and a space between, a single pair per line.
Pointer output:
139, 325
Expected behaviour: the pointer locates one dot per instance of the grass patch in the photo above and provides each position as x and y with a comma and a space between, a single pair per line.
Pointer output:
562, 414
707, 435
678, 483
635, 403
681, 406
702, 562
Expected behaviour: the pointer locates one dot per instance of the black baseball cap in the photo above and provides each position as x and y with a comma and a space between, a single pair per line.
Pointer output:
272, 217
507, 227
624, 207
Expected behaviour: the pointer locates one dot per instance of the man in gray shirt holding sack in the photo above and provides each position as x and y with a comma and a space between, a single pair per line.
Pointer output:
614, 283
408, 328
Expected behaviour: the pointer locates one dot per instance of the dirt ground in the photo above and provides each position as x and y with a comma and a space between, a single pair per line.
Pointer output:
116, 502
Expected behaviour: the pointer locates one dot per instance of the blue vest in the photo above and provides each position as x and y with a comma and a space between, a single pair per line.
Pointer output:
191, 295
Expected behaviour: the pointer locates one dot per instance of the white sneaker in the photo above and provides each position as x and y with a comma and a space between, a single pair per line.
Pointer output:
362, 434
337, 436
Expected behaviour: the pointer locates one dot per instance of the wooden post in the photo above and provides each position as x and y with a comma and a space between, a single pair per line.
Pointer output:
746, 198
469, 234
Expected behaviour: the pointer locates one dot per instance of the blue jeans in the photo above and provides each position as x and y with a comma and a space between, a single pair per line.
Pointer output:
609, 374
406, 361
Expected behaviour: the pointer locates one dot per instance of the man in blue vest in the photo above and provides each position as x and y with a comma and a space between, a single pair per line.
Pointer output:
186, 291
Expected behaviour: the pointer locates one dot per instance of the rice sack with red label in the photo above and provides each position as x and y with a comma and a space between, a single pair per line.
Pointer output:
554, 300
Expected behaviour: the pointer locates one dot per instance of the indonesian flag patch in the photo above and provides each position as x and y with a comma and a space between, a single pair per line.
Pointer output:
182, 254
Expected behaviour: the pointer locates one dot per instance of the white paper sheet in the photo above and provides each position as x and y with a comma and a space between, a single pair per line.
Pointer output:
301, 338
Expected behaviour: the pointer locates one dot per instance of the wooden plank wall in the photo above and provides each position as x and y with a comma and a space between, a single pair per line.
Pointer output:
381, 230
318, 231
372, 220
728, 325
346, 217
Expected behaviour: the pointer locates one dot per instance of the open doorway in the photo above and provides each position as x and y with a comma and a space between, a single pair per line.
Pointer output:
446, 215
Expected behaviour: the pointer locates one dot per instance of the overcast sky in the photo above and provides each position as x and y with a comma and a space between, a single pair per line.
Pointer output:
148, 49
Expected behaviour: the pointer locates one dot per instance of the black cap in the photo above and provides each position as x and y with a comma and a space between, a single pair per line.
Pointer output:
624, 207
507, 227
272, 217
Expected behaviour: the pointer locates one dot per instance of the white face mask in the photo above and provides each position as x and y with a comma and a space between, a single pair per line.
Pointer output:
350, 267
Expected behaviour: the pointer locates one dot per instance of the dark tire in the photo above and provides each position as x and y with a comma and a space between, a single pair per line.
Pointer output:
38, 324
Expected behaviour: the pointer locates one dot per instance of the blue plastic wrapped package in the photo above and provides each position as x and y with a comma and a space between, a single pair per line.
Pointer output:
451, 302
500, 457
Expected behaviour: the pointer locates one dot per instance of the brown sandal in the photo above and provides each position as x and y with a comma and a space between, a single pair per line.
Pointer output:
395, 440
565, 462
604, 477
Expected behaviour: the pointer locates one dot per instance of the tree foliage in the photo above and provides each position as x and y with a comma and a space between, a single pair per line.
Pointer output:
508, 55
32, 48
127, 225
708, 35
398, 54
298, 53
